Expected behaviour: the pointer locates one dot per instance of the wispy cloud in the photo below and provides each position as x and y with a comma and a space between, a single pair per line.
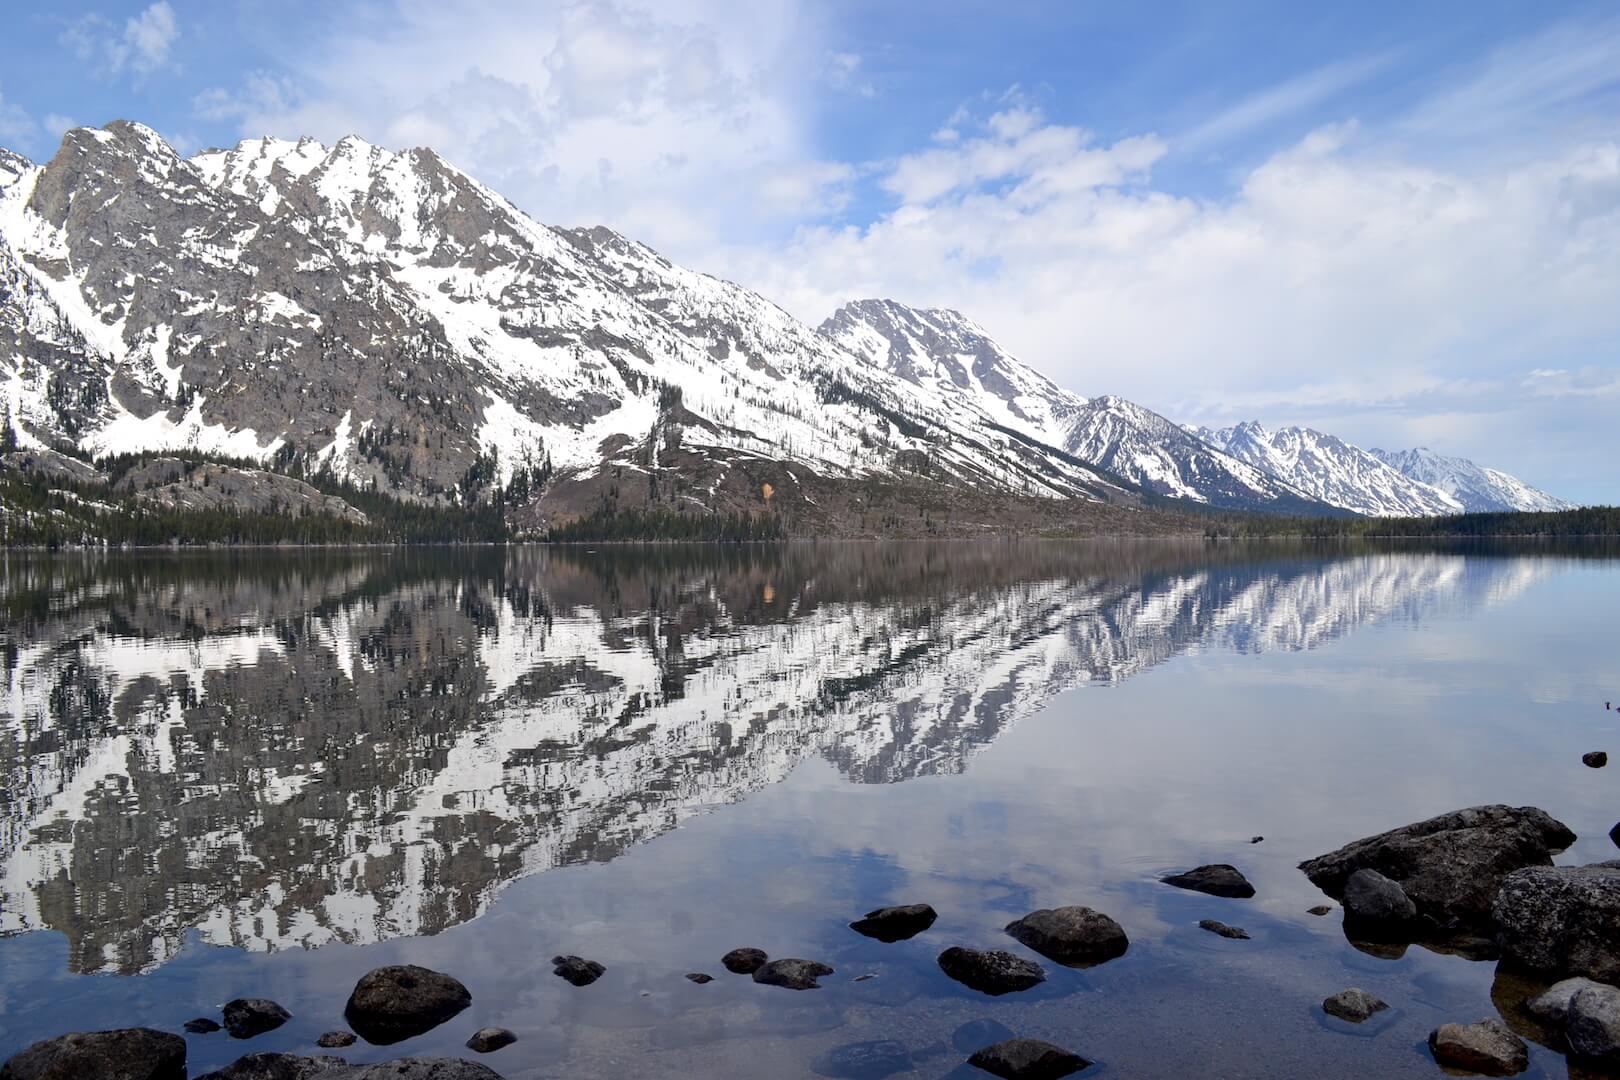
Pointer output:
1287, 99
141, 46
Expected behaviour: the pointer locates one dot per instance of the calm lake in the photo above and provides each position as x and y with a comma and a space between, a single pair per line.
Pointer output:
261, 774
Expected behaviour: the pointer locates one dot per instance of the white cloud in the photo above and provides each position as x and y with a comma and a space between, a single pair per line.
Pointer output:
140, 46
15, 123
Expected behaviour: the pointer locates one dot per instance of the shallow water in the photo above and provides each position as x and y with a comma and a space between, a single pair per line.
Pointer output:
262, 774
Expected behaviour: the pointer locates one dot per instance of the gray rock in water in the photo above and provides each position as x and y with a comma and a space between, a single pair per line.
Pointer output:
122, 1054
1027, 1059
1073, 936
490, 1039
1374, 904
1354, 1005
201, 1026
247, 1017
1551, 1006
1595, 760
1561, 920
699, 977
990, 971
1319, 909
1450, 866
864, 1060
893, 924
1215, 926
1219, 879
335, 1040
1592, 1024
792, 973
743, 961
577, 970
1487, 1047
294, 1067
397, 1002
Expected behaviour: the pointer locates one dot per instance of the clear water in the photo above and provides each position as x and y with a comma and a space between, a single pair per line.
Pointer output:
262, 774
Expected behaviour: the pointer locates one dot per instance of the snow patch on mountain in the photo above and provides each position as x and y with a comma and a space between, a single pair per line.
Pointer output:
1476, 487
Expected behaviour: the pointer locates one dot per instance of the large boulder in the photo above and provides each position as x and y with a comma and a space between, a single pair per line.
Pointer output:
1027, 1059
1487, 1047
792, 973
744, 961
124, 1054
1376, 906
1451, 865
401, 1001
990, 971
1561, 920
893, 924
294, 1067
1593, 1024
1072, 936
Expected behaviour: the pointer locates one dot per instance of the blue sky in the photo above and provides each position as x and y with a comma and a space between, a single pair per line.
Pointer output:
1396, 222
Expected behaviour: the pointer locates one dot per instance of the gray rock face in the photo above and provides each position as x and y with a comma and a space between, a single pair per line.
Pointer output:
1027, 1059
50, 463
488, 1040
864, 1060
397, 1002
1219, 879
247, 1017
1354, 1005
1487, 1047
1561, 920
224, 487
1451, 865
1215, 926
1593, 1024
1073, 936
893, 924
744, 961
1373, 903
990, 971
335, 1040
1552, 1005
293, 1067
577, 970
122, 1054
792, 974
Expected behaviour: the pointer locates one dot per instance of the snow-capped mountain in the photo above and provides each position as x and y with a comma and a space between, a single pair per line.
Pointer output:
293, 753
385, 316
1329, 469
1478, 489
956, 360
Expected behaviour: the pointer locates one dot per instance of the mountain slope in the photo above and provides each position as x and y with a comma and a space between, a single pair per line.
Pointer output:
954, 359
384, 317
1329, 469
1477, 488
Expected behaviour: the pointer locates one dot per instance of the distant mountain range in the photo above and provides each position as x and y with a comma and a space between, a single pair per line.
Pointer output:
384, 319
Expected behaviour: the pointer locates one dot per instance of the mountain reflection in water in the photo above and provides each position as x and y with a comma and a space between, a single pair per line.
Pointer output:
280, 750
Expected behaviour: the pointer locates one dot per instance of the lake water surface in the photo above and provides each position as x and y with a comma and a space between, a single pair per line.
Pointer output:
261, 774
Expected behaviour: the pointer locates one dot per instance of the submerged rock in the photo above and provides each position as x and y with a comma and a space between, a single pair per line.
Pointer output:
577, 970
1595, 760
201, 1026
397, 1002
743, 961
1487, 1047
1027, 1059
490, 1039
792, 973
1214, 926
893, 924
1218, 879
1593, 1024
1354, 1005
1073, 936
990, 971
294, 1067
335, 1040
247, 1017
1373, 904
121, 1054
1552, 1005
699, 977
1450, 866
864, 1060
1561, 920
